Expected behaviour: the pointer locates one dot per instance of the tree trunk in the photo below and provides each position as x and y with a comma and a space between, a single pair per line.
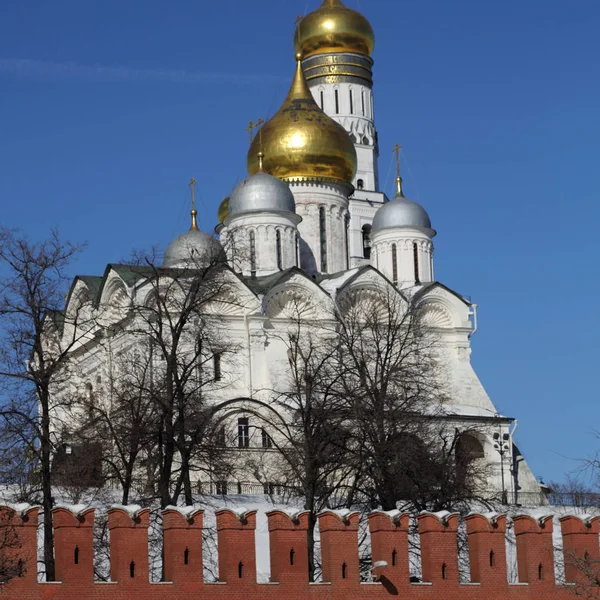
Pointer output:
47, 502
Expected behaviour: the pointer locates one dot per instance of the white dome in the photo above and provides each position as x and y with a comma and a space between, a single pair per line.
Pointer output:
261, 193
193, 248
402, 213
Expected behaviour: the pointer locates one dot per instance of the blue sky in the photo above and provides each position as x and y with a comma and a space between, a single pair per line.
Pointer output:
108, 108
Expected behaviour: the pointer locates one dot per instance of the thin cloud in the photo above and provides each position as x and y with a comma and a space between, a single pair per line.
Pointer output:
39, 69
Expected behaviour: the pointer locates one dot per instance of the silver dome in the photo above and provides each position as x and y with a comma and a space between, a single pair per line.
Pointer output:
401, 212
192, 249
261, 193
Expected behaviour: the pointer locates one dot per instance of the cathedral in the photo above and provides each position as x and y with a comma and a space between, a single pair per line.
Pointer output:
309, 224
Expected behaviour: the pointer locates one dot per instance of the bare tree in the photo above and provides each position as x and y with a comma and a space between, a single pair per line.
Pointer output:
308, 422
35, 343
123, 415
180, 327
393, 384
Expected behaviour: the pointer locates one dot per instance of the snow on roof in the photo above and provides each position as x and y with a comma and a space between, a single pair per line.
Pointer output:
394, 515
335, 283
442, 515
76, 509
469, 411
131, 509
20, 508
492, 517
343, 513
185, 511
240, 511
292, 513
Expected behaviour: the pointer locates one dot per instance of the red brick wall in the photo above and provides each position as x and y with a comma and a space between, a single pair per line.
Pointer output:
339, 549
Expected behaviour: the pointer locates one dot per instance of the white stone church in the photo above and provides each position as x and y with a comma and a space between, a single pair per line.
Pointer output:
310, 224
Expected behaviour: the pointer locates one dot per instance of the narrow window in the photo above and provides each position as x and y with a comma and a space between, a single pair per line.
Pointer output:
239, 488
337, 102
217, 367
292, 557
267, 442
240, 570
444, 569
344, 570
347, 242
297, 245
76, 557
20, 568
394, 557
416, 262
351, 102
371, 108
278, 247
132, 569
322, 100
394, 263
366, 234
252, 253
221, 488
221, 441
323, 234
360, 184
492, 559
541, 572
362, 98
243, 433
186, 556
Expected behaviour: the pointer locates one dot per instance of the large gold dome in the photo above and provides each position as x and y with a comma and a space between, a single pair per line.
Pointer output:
334, 28
301, 142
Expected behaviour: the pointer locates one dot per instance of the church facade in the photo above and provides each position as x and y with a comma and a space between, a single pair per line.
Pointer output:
309, 225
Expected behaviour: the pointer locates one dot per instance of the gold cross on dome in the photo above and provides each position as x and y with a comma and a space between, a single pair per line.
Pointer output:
252, 126
397, 151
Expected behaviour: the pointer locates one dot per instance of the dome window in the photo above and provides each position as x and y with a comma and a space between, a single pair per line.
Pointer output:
366, 235
322, 100
416, 261
394, 263
337, 102
253, 254
362, 98
351, 102
323, 238
278, 249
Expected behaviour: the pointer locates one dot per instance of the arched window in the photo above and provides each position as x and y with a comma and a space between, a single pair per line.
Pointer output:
278, 245
322, 100
351, 102
394, 264
297, 249
243, 433
323, 238
362, 99
337, 102
416, 262
360, 184
366, 236
252, 253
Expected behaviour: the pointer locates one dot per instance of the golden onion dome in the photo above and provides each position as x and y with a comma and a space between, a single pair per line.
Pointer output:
301, 142
223, 211
334, 28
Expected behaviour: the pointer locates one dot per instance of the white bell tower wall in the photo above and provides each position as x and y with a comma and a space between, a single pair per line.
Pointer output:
342, 85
